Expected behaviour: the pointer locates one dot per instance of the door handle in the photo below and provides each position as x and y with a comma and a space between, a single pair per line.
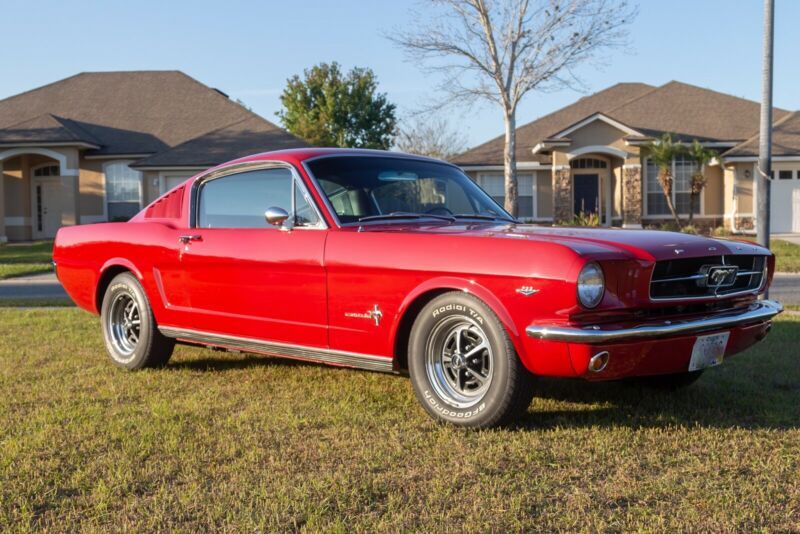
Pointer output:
187, 238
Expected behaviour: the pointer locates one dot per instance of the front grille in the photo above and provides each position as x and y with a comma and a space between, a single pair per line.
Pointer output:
706, 277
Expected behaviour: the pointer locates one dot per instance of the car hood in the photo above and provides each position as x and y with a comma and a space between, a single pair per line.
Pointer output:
648, 245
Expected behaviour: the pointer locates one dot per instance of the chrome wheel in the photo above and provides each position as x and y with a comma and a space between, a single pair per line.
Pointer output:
459, 361
124, 323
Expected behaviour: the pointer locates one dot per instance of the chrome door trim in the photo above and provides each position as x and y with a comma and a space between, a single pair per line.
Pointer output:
285, 350
255, 166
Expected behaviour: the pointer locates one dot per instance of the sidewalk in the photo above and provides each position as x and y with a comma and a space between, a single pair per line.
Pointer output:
38, 286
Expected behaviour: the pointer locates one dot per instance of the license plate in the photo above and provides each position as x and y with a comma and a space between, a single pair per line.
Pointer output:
708, 351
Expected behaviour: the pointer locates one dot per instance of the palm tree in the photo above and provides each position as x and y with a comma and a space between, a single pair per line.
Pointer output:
662, 152
701, 156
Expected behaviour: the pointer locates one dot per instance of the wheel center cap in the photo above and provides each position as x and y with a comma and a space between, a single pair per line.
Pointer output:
458, 361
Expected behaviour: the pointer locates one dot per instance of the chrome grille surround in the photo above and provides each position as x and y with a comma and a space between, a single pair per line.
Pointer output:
701, 278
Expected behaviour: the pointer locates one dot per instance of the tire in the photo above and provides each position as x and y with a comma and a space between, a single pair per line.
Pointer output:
125, 307
486, 389
671, 382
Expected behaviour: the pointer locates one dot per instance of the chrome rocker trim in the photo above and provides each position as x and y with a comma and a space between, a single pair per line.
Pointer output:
762, 310
284, 350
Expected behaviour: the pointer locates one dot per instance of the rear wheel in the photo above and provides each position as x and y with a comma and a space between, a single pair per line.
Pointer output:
463, 366
130, 332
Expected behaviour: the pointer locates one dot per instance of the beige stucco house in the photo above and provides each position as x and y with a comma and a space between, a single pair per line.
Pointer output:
99, 146
590, 157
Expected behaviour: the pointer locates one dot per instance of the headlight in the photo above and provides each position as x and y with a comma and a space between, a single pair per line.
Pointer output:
591, 285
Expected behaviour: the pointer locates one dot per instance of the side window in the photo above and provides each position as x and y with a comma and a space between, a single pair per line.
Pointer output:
240, 200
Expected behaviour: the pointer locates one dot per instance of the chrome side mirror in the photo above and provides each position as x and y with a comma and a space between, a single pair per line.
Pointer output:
276, 216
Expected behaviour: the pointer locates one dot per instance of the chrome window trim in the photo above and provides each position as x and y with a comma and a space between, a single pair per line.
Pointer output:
238, 168
284, 350
379, 154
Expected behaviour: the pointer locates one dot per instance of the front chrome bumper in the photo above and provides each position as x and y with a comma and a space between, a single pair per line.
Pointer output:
759, 311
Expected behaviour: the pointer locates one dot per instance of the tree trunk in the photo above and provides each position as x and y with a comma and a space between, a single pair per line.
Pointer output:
510, 164
692, 203
666, 186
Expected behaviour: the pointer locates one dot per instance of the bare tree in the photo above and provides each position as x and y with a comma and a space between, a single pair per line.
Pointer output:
430, 136
501, 50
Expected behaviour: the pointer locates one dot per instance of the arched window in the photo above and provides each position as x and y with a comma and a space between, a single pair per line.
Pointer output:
47, 170
123, 191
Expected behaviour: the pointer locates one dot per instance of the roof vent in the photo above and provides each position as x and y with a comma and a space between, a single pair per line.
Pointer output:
222, 93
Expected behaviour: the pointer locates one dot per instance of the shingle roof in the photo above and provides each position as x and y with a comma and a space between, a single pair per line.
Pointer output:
46, 128
528, 135
688, 111
785, 139
131, 112
693, 112
248, 136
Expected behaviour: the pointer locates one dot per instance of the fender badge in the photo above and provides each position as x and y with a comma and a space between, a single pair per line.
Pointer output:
375, 314
527, 291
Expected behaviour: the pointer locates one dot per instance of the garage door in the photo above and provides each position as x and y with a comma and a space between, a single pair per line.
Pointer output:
785, 202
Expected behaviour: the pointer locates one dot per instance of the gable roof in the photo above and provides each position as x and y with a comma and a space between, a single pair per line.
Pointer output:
533, 132
242, 138
688, 111
785, 139
129, 112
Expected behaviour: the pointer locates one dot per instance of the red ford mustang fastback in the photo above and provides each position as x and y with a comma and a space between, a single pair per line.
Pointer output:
397, 263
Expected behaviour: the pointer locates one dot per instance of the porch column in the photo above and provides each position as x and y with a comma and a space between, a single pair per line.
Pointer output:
3, 237
70, 174
632, 196
609, 194
562, 194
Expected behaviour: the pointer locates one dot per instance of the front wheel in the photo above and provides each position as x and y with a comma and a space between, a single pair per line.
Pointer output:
463, 366
129, 329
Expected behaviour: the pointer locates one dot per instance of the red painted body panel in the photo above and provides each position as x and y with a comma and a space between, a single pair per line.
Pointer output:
309, 286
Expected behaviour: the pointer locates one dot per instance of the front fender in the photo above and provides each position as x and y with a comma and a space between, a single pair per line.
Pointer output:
468, 286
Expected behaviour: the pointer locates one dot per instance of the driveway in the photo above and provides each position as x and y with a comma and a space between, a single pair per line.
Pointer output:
40, 286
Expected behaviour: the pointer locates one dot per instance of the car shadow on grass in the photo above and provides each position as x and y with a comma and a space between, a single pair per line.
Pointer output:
758, 388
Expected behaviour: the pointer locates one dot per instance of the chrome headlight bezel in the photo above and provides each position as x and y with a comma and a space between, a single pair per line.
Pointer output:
591, 286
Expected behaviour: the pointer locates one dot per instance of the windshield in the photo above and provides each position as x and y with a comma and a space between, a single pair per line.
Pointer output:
365, 187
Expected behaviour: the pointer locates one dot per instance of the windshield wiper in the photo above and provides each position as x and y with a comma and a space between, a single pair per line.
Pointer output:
406, 215
483, 217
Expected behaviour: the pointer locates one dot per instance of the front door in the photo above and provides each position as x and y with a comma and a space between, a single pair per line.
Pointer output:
247, 278
45, 207
586, 193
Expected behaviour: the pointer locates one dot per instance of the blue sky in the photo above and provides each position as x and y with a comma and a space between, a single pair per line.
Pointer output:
249, 49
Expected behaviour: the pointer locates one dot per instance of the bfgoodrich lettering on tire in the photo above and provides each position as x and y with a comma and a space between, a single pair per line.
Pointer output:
463, 366
129, 328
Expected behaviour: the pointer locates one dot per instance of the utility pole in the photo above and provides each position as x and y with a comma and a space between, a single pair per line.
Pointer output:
764, 174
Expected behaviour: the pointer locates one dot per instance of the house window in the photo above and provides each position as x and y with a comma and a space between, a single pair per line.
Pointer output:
494, 184
682, 170
123, 191
47, 170
588, 163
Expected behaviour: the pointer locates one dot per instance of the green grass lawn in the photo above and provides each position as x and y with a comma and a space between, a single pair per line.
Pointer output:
787, 255
19, 260
240, 443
